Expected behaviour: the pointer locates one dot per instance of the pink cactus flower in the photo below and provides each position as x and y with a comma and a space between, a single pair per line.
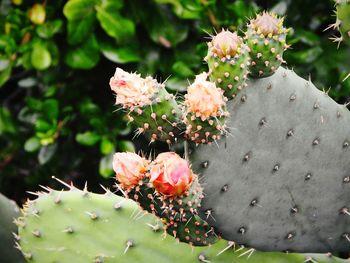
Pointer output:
226, 43
203, 98
130, 168
170, 174
132, 90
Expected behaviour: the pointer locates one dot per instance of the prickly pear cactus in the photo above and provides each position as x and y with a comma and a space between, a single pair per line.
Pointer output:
75, 225
281, 181
266, 38
8, 212
343, 20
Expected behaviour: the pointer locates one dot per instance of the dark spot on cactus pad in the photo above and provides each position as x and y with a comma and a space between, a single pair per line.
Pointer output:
262, 122
276, 168
346, 144
294, 210
205, 164
290, 133
291, 235
244, 98
254, 202
316, 141
246, 157
242, 230
224, 188
346, 236
308, 176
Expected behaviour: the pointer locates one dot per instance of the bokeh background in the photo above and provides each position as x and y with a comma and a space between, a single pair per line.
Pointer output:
57, 112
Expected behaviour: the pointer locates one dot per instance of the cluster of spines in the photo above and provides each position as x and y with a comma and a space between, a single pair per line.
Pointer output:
204, 111
266, 39
161, 119
342, 22
228, 61
167, 188
179, 214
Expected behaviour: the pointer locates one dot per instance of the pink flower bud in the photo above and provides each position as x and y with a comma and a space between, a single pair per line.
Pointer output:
203, 98
130, 168
170, 174
131, 89
226, 43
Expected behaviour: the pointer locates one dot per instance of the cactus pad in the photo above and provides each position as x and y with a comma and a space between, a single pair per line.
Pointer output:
281, 181
266, 38
77, 226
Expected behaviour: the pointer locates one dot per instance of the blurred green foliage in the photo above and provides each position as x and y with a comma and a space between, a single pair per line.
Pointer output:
56, 57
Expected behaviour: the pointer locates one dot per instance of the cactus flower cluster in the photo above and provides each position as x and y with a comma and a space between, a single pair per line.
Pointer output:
201, 117
169, 189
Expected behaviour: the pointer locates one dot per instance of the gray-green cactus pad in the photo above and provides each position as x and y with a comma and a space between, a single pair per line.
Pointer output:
281, 179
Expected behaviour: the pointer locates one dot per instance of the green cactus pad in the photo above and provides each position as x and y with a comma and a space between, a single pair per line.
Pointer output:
8, 212
343, 16
281, 181
77, 226
266, 49
205, 131
159, 120
229, 72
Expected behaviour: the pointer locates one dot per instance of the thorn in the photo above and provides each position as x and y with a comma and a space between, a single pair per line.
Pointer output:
68, 230
202, 258
129, 244
62, 182
230, 244
92, 215
249, 252
36, 233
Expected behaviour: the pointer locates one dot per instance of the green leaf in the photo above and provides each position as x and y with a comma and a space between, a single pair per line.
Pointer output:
84, 56
51, 109
87, 138
120, 55
105, 166
181, 69
78, 9
46, 153
32, 144
49, 29
113, 23
126, 146
6, 122
42, 126
106, 146
5, 71
79, 30
40, 57
166, 29
81, 19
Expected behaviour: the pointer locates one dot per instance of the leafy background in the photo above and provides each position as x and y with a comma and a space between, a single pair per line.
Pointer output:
57, 113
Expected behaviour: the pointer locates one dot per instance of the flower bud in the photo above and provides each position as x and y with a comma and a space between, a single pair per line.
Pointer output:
131, 89
170, 174
130, 168
203, 98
